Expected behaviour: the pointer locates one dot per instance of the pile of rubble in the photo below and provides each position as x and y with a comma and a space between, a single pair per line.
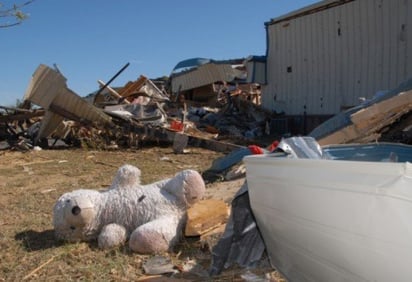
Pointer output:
230, 117
53, 115
387, 117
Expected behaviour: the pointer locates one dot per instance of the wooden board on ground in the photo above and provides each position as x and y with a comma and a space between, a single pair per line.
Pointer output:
205, 216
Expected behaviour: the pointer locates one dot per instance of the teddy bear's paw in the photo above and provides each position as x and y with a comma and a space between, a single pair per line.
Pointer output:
148, 242
111, 236
156, 236
127, 176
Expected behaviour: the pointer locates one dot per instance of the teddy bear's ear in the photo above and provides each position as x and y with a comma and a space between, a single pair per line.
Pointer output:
127, 176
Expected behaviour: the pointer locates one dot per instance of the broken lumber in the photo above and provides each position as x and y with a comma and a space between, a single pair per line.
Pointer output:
167, 135
19, 115
205, 216
367, 123
209, 239
132, 87
49, 90
112, 91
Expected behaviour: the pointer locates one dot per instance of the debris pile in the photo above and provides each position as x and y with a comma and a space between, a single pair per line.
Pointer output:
54, 115
231, 117
17, 125
385, 118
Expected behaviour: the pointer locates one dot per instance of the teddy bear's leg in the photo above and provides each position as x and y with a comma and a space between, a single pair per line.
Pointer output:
188, 186
112, 235
156, 236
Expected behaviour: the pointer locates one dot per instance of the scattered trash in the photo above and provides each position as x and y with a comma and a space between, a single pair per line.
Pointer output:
193, 267
158, 265
166, 159
237, 172
230, 167
251, 277
179, 143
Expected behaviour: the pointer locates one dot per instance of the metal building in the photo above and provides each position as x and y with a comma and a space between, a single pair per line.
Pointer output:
329, 56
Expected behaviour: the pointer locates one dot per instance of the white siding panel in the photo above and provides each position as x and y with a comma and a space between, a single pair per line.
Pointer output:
401, 51
408, 40
338, 55
332, 65
386, 44
203, 75
256, 72
347, 39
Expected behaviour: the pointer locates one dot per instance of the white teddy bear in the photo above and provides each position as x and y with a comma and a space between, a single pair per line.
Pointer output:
151, 217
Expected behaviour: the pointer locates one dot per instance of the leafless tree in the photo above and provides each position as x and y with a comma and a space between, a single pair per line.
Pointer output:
14, 15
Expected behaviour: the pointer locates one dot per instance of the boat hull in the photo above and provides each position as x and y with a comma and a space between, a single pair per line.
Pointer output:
332, 220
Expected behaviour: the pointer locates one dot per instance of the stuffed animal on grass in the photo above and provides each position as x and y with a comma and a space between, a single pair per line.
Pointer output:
151, 216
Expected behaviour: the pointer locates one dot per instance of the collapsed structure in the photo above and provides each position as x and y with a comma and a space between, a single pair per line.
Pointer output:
220, 115
206, 81
139, 110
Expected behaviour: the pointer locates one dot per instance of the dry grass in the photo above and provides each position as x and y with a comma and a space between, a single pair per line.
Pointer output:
31, 182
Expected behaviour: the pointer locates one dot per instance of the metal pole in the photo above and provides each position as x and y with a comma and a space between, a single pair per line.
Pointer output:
113, 78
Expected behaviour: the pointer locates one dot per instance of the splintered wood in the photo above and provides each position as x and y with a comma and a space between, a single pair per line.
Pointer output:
205, 216
367, 123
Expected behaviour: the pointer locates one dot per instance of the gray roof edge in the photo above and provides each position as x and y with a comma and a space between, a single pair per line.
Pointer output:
313, 8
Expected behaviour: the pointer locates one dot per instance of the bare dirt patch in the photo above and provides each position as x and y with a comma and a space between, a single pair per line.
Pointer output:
31, 182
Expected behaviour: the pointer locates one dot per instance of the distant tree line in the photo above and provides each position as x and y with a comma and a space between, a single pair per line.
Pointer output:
13, 15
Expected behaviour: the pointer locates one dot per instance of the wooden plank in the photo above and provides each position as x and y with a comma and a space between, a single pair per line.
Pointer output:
164, 134
205, 216
342, 136
369, 121
132, 87
393, 104
112, 91
21, 116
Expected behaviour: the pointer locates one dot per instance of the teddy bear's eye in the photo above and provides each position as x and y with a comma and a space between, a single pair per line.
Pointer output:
76, 210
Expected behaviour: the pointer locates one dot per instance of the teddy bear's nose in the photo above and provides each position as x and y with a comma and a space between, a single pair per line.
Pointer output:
76, 210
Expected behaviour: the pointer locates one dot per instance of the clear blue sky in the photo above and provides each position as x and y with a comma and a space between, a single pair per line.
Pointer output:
93, 39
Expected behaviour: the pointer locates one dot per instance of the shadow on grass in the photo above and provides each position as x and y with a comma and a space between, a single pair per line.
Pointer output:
35, 240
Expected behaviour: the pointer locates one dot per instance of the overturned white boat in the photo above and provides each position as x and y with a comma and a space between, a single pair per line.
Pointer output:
344, 218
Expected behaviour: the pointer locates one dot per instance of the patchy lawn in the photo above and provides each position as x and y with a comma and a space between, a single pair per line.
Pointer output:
31, 182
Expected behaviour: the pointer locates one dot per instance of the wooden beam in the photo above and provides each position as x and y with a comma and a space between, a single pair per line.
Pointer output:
112, 91
205, 216
22, 116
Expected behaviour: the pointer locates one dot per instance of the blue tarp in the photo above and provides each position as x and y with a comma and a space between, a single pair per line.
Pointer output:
191, 63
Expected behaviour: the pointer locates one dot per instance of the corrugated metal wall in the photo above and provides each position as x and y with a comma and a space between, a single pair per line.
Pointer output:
323, 62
